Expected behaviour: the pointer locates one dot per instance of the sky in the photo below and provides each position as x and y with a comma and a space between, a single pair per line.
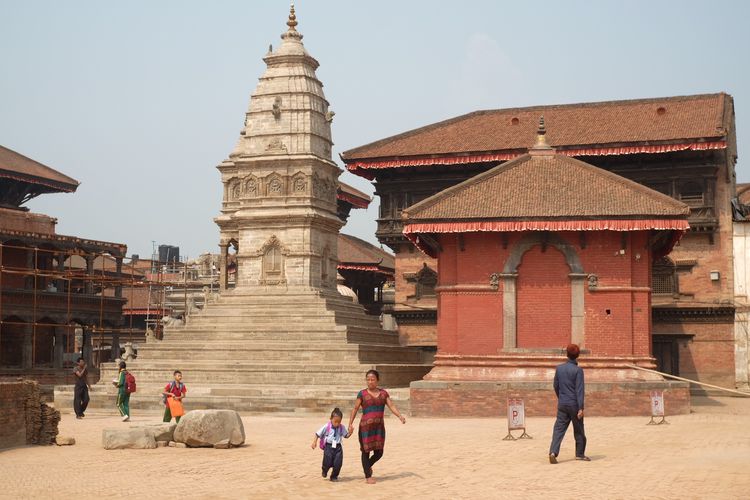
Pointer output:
140, 100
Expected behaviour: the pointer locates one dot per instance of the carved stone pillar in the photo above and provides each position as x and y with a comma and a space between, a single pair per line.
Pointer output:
509, 310
223, 263
89, 287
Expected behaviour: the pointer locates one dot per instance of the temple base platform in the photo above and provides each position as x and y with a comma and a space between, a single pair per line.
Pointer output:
479, 386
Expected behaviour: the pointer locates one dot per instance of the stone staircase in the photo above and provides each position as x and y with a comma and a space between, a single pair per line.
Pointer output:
268, 352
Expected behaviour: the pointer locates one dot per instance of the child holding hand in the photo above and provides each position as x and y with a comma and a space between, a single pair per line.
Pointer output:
330, 436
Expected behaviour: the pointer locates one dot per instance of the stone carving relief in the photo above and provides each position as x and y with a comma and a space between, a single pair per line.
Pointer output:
251, 187
495, 280
593, 282
275, 185
235, 190
276, 110
323, 188
299, 184
276, 144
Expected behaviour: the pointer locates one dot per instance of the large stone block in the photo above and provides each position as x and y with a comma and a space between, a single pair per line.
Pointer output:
206, 428
162, 432
131, 438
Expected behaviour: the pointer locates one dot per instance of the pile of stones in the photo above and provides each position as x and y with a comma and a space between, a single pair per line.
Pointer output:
197, 429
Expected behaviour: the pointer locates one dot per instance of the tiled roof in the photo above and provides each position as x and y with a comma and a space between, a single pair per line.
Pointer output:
743, 193
534, 187
352, 195
355, 251
660, 120
17, 166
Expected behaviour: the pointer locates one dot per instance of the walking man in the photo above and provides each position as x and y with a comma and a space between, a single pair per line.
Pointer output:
569, 389
81, 390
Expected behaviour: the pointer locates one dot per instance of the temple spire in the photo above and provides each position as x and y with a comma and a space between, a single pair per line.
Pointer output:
292, 22
541, 146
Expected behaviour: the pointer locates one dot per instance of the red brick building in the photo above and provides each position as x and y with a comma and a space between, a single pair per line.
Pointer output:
534, 254
684, 147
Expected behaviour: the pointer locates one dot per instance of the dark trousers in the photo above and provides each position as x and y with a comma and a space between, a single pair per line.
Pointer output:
333, 457
80, 399
368, 461
566, 415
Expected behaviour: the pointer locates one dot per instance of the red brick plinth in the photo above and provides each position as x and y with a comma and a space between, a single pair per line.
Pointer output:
431, 398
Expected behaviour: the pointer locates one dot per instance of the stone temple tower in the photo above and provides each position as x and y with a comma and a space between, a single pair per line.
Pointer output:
282, 338
279, 205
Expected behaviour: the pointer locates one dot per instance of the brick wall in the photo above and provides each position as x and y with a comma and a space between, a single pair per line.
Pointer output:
12, 414
423, 333
617, 314
489, 399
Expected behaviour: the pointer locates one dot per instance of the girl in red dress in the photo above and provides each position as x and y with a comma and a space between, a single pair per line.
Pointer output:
373, 401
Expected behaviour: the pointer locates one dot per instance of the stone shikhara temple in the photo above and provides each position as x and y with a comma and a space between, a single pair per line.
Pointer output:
282, 338
530, 261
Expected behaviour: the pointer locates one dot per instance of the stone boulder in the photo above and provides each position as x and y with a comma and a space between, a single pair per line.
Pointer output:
131, 438
206, 428
161, 432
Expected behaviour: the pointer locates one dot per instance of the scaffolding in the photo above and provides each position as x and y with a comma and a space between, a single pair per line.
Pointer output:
56, 305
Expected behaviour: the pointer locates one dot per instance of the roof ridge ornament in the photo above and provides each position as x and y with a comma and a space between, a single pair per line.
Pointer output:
541, 147
292, 24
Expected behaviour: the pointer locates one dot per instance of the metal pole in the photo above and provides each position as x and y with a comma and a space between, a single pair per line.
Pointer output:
733, 391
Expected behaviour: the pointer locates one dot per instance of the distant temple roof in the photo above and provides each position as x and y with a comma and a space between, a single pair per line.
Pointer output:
21, 168
359, 255
351, 195
599, 128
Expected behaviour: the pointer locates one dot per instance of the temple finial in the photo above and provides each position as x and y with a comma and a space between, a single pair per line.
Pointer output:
541, 137
292, 22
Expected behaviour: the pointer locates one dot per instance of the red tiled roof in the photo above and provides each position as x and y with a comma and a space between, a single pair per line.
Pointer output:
546, 187
21, 168
644, 121
743, 193
357, 198
354, 251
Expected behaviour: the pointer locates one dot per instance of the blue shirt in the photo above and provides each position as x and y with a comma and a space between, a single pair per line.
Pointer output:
334, 435
568, 385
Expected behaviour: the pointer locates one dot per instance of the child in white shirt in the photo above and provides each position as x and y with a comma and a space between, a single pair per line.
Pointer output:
330, 436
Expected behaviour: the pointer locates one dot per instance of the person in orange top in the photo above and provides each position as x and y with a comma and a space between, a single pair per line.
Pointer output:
175, 389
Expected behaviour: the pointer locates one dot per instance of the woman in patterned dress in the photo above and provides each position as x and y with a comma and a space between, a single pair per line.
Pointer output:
373, 401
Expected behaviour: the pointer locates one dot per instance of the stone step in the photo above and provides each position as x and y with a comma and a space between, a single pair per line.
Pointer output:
281, 373
332, 319
298, 351
244, 398
353, 336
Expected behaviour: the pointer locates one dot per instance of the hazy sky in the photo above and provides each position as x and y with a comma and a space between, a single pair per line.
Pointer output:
140, 100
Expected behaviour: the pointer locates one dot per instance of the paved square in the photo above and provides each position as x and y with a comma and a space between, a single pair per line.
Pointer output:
702, 455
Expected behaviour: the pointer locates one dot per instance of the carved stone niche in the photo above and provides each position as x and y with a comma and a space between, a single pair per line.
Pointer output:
424, 281
235, 189
251, 186
274, 185
273, 254
299, 184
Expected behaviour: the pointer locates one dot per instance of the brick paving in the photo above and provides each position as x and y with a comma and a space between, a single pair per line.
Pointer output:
702, 455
